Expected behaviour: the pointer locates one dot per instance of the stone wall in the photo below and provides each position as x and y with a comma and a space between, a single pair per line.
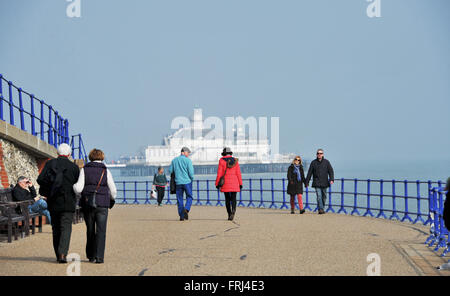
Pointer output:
16, 162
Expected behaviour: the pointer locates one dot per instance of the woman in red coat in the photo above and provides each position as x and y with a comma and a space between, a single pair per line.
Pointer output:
230, 170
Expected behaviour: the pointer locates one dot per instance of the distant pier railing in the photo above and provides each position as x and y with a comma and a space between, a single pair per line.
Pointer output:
32, 114
402, 200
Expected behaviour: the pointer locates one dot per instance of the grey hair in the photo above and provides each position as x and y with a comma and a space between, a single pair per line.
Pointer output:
21, 178
64, 149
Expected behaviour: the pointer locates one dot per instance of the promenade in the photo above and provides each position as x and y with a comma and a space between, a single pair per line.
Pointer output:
146, 240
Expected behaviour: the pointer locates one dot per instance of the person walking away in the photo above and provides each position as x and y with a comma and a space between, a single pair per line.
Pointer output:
56, 185
296, 179
95, 177
323, 176
160, 183
24, 190
184, 176
230, 172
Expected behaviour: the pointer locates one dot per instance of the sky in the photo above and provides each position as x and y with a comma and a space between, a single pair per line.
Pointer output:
363, 89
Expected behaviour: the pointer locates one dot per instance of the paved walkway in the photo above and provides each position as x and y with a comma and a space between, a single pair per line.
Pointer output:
150, 240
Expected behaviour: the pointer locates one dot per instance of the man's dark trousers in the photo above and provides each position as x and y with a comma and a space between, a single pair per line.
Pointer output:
62, 230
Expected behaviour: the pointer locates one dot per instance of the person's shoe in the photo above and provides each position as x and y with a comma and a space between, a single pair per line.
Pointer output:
181, 219
302, 211
292, 211
62, 259
186, 216
92, 260
99, 261
229, 217
321, 212
232, 217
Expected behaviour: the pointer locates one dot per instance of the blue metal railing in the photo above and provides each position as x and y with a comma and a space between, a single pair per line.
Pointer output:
77, 145
438, 231
402, 200
49, 125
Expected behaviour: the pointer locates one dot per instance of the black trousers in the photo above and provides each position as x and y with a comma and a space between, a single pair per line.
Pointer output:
230, 202
96, 220
62, 230
160, 191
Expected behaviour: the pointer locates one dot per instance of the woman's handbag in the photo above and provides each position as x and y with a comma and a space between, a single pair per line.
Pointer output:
90, 200
173, 185
222, 179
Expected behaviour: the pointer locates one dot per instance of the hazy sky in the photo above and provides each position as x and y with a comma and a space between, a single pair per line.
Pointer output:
361, 88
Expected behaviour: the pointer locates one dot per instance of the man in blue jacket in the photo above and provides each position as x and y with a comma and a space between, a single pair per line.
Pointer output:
184, 176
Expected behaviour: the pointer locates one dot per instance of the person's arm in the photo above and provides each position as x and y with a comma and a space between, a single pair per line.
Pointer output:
33, 192
302, 174
289, 173
111, 185
239, 175
191, 170
79, 186
331, 173
308, 177
220, 171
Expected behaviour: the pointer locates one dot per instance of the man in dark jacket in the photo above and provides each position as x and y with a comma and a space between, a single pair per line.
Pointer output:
24, 190
56, 181
323, 176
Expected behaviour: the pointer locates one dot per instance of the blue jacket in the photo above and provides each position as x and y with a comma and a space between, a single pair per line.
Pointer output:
184, 170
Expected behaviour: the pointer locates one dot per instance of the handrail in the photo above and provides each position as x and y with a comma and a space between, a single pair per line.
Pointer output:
53, 128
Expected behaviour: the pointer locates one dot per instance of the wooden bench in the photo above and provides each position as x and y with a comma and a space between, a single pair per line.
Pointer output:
14, 221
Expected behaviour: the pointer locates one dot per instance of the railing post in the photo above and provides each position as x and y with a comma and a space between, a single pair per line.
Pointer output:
168, 202
136, 202
381, 213
429, 218
42, 120
208, 202
218, 199
240, 204
22, 120
330, 205
261, 204
342, 209
147, 199
394, 205
11, 104
251, 194
198, 203
284, 206
440, 211
33, 116
368, 212
124, 193
50, 126
66, 131
307, 207
355, 200
272, 205
433, 213
419, 212
55, 130
406, 216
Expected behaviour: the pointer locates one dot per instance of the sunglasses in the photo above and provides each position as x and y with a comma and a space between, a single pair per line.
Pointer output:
319, 153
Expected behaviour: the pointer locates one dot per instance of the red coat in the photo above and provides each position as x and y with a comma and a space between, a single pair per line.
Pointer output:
233, 178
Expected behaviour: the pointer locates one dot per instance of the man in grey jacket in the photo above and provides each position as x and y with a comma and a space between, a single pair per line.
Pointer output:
323, 176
